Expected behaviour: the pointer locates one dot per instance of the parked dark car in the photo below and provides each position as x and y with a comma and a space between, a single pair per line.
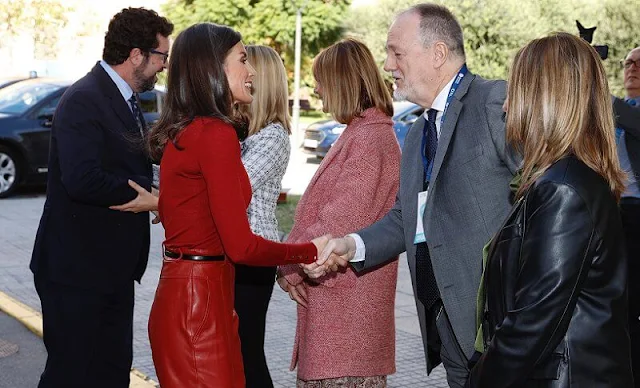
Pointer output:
4, 82
320, 136
26, 114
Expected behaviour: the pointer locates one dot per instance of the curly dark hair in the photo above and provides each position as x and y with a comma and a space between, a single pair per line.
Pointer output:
133, 28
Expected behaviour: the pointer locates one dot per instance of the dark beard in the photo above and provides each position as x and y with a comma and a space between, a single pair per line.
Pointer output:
143, 84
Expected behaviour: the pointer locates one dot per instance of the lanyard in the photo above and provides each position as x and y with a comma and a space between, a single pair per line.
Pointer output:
428, 164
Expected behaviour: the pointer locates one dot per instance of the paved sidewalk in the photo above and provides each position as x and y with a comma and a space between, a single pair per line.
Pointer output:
19, 217
20, 369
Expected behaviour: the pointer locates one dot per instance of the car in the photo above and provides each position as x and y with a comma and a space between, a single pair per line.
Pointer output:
320, 136
4, 82
26, 116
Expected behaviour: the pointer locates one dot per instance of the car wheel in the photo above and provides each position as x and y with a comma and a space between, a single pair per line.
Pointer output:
9, 171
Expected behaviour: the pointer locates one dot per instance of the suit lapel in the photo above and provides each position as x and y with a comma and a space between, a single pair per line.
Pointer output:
118, 104
449, 124
412, 173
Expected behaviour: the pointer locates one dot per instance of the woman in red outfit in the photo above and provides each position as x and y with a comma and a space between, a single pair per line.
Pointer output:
205, 193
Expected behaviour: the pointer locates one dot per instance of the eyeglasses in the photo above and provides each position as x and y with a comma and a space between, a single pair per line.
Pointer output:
165, 55
628, 62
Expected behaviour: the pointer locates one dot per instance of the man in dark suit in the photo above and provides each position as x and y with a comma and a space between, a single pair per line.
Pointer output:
454, 185
93, 238
628, 140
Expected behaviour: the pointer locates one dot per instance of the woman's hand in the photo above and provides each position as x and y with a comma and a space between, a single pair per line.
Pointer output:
297, 293
144, 202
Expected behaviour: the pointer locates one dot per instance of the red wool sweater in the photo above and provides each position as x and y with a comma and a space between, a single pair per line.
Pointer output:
204, 199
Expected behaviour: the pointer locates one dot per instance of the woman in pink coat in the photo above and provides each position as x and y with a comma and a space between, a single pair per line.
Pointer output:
344, 317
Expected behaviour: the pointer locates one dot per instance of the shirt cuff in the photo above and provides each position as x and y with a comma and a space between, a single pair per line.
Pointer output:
360, 249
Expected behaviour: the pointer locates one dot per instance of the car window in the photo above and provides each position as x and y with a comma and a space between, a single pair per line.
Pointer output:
418, 112
148, 101
21, 96
49, 108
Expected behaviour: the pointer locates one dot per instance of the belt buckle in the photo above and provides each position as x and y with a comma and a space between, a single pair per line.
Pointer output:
167, 254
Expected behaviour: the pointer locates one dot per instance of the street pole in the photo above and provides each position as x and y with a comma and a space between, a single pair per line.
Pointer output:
296, 74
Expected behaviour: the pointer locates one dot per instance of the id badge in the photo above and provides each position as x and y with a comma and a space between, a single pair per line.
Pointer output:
422, 203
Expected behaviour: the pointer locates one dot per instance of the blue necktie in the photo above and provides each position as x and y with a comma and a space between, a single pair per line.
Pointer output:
426, 285
137, 113
431, 134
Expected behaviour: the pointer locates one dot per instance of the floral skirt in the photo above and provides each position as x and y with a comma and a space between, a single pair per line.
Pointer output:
345, 382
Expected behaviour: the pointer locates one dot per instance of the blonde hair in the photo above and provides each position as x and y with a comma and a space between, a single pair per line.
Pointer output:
559, 104
350, 81
270, 90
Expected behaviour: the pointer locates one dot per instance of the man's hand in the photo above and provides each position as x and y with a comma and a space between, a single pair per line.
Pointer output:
336, 253
297, 293
144, 202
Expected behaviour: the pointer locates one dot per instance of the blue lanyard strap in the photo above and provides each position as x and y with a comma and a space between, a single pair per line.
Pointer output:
428, 164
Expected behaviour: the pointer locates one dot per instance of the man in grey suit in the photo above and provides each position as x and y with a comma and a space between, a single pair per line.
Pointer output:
459, 168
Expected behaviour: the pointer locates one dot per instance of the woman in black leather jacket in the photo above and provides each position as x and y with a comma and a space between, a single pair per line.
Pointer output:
555, 312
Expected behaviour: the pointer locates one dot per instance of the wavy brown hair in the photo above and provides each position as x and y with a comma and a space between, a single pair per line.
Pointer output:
350, 80
197, 84
559, 104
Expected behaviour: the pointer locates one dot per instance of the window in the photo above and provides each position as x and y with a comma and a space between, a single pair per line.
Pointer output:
48, 109
22, 96
149, 101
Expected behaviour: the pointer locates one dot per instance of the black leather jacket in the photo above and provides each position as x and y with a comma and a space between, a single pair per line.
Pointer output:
556, 288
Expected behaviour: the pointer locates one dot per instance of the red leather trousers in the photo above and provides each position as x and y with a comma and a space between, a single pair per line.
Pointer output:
193, 327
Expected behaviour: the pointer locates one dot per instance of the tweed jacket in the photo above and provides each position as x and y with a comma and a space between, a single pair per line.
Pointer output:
265, 156
355, 185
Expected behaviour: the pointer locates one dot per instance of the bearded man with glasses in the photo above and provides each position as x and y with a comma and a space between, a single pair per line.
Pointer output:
93, 239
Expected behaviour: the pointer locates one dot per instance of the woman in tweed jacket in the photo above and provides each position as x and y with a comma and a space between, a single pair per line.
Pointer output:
355, 185
265, 155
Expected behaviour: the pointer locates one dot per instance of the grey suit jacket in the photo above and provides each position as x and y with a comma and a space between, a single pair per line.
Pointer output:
469, 197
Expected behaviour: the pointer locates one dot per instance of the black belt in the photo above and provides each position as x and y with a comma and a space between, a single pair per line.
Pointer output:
183, 256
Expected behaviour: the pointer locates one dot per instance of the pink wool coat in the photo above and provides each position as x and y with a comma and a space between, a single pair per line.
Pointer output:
348, 328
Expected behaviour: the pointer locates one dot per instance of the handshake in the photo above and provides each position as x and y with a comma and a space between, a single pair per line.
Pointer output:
332, 254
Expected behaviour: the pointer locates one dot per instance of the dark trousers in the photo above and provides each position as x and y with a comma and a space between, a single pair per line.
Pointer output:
88, 336
443, 346
253, 289
630, 210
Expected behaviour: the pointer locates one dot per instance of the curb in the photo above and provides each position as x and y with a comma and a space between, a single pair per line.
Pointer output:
32, 320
